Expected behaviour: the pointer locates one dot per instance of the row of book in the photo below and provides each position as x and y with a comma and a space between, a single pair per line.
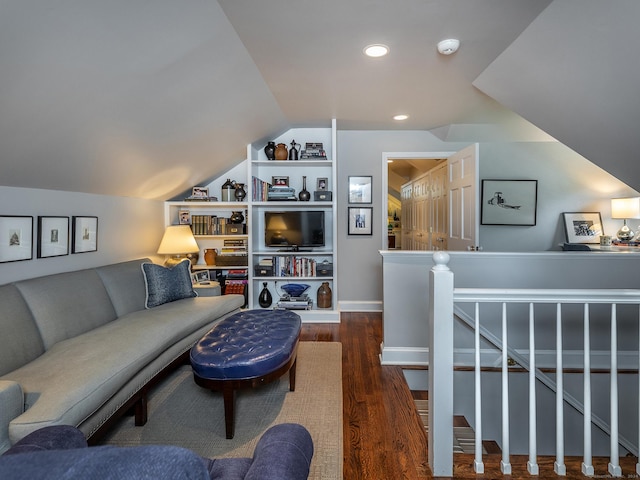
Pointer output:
290, 266
313, 151
208, 224
260, 189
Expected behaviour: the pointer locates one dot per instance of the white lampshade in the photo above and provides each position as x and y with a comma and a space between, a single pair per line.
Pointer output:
178, 240
625, 207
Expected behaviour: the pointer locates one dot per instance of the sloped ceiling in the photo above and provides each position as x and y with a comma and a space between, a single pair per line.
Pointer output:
146, 99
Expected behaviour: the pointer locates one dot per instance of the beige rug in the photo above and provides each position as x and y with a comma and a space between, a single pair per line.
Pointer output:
184, 414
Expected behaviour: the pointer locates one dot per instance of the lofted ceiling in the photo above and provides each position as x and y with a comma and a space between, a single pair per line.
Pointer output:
146, 99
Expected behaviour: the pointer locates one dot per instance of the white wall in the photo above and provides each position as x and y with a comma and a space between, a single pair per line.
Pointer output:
128, 228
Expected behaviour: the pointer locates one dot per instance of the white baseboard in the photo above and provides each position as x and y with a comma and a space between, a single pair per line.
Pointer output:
360, 306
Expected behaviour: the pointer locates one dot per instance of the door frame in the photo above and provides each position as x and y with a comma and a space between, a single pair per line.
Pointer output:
386, 156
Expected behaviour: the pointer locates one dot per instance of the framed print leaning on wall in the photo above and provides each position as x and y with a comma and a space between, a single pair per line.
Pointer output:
509, 202
583, 227
85, 234
16, 238
53, 236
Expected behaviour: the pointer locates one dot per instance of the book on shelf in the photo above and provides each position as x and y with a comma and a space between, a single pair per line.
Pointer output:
260, 189
207, 224
294, 266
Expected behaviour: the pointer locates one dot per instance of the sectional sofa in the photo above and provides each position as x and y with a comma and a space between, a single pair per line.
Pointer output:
81, 347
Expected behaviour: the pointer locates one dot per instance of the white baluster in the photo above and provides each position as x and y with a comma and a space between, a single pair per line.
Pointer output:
587, 462
532, 464
505, 464
614, 459
478, 465
559, 466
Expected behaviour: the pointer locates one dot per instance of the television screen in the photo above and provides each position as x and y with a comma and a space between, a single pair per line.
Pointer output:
296, 228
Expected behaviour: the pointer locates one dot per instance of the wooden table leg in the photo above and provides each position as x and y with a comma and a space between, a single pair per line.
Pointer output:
228, 395
292, 376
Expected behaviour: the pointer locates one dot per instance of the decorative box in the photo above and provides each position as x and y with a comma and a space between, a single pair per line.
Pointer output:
235, 229
231, 260
263, 271
324, 269
322, 196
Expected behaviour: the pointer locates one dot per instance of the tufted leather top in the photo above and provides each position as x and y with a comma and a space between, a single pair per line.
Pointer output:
247, 344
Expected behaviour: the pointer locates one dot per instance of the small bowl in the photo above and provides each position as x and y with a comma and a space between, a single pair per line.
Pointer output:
294, 289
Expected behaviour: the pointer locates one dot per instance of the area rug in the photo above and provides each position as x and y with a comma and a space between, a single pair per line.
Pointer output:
184, 414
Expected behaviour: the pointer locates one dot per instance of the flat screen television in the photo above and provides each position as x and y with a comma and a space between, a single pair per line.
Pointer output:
293, 229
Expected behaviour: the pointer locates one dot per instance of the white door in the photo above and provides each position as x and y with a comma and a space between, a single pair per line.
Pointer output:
463, 203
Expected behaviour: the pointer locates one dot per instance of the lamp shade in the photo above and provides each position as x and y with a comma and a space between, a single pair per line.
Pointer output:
625, 207
177, 240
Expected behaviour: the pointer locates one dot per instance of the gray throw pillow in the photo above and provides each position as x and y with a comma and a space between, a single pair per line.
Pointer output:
166, 285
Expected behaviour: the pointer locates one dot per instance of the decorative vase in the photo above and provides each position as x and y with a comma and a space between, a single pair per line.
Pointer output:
240, 192
227, 190
265, 299
293, 151
236, 217
281, 152
270, 150
304, 194
323, 297
210, 255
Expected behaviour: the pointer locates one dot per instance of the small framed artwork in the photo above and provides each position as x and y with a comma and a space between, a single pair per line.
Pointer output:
360, 219
509, 202
197, 192
53, 236
16, 238
280, 181
322, 184
583, 227
84, 234
199, 277
360, 189
184, 216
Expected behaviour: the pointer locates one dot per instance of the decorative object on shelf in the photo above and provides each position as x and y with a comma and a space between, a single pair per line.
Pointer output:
281, 152
200, 194
293, 151
623, 208
322, 196
270, 150
304, 194
281, 181
85, 234
509, 202
53, 236
360, 189
200, 277
324, 294
294, 289
360, 220
322, 184
210, 255
313, 151
583, 227
228, 188
178, 243
265, 299
236, 217
240, 192
184, 217
16, 234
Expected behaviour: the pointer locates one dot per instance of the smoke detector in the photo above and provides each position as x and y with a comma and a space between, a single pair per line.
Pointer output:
448, 46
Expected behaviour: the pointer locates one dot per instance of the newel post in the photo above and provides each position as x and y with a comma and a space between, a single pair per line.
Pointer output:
441, 367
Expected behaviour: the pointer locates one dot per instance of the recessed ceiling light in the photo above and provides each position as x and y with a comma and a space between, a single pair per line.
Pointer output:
400, 117
376, 50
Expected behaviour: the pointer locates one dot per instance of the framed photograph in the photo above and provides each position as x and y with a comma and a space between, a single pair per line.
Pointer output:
200, 192
84, 234
322, 184
280, 181
583, 227
360, 220
200, 276
184, 216
16, 238
360, 189
53, 236
509, 202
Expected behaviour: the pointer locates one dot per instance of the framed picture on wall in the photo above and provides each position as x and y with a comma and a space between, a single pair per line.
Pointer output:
16, 238
360, 219
84, 234
583, 227
509, 202
360, 189
53, 236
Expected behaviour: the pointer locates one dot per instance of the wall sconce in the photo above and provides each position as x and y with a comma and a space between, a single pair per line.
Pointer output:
623, 208
178, 243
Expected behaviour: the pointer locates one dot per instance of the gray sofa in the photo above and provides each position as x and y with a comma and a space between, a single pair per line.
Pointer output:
78, 348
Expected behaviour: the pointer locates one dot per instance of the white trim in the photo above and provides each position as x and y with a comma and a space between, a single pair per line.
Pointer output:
360, 306
405, 356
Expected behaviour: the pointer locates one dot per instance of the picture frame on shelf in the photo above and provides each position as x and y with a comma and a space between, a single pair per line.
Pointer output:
53, 236
322, 184
509, 202
200, 276
360, 189
200, 192
84, 234
360, 220
184, 217
280, 181
583, 227
16, 238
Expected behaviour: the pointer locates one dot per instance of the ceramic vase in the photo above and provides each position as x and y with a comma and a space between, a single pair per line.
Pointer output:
281, 152
227, 190
323, 296
270, 150
304, 194
236, 217
293, 151
210, 255
265, 299
240, 192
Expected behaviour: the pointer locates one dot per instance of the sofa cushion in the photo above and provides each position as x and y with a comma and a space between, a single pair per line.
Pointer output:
20, 341
125, 285
167, 284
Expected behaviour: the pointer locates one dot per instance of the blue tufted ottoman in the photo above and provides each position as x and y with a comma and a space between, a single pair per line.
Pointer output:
247, 349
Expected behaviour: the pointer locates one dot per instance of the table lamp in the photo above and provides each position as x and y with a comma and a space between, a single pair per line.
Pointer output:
623, 208
178, 243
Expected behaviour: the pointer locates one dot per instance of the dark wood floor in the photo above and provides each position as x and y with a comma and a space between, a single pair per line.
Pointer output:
383, 435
